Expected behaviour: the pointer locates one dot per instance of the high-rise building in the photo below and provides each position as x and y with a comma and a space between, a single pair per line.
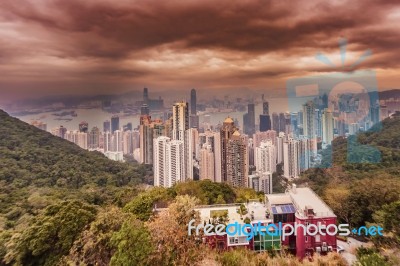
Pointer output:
83, 126
265, 119
213, 139
79, 138
279, 147
117, 144
258, 137
180, 120
275, 122
249, 120
190, 143
265, 122
327, 126
265, 157
207, 163
144, 109
309, 128
291, 167
265, 108
114, 123
94, 138
107, 126
160, 163
236, 161
226, 132
282, 122
146, 141
306, 151
175, 162
145, 95
59, 131
193, 102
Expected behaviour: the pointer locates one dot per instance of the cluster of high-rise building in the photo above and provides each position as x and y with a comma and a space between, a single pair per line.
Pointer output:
113, 141
180, 149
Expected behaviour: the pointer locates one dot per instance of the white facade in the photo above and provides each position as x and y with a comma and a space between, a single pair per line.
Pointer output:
168, 161
265, 157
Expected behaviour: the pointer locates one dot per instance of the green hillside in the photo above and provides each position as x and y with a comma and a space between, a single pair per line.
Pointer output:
37, 167
364, 193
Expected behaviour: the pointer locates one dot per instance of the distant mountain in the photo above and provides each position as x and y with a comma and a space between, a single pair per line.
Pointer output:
395, 93
32, 159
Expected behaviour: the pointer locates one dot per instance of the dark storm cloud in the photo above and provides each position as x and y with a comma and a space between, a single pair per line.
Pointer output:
178, 43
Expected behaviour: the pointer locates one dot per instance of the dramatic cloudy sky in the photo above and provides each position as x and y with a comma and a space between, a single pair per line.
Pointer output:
97, 46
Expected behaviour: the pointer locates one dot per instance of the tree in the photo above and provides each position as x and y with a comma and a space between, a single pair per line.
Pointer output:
133, 244
94, 247
51, 235
338, 199
170, 235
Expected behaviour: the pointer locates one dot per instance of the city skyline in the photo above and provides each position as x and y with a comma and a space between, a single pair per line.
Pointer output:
75, 48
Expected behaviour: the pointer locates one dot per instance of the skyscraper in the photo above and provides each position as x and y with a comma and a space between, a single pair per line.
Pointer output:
236, 161
249, 120
146, 141
291, 167
114, 123
194, 118
275, 122
309, 120
327, 126
193, 102
144, 109
145, 96
107, 126
160, 164
213, 139
207, 163
175, 162
282, 122
94, 138
265, 119
279, 147
190, 142
226, 132
265, 157
180, 120
83, 126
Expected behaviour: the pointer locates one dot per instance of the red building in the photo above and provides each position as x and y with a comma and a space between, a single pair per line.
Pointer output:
311, 212
298, 208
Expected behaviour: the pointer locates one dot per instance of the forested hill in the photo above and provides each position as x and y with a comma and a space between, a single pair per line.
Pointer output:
31, 158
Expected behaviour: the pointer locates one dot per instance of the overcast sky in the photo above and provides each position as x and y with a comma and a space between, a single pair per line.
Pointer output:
108, 46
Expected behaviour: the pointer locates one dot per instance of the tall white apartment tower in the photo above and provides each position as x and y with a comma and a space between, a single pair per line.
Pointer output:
160, 161
265, 157
279, 147
168, 161
291, 167
190, 143
175, 162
